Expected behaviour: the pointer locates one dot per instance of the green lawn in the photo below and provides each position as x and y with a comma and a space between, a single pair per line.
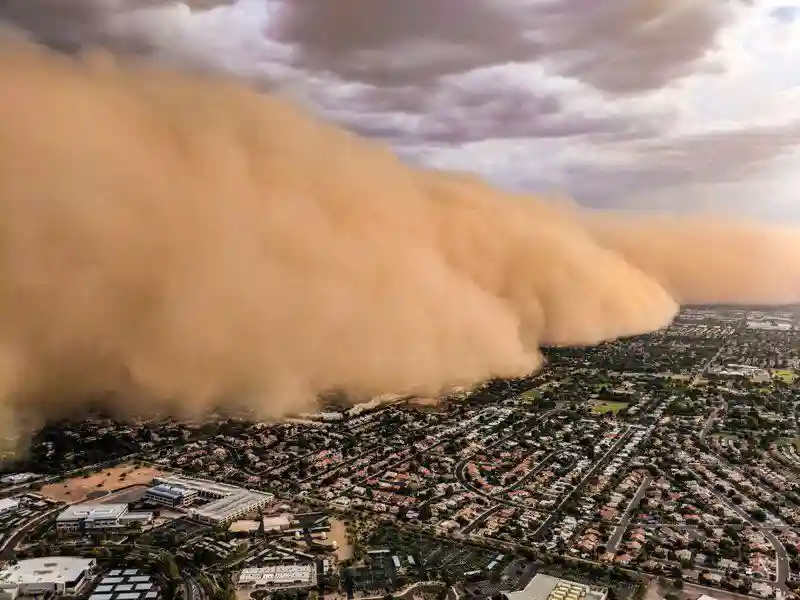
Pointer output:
786, 374
604, 407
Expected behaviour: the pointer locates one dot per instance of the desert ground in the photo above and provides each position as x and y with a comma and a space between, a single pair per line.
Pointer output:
78, 488
423, 402
339, 534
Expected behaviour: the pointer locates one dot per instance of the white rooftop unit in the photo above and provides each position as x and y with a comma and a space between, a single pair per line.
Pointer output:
62, 575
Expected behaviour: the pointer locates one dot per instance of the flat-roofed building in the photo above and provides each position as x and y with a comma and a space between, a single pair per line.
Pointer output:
228, 502
8, 506
171, 496
59, 575
278, 576
89, 516
127, 584
547, 587
276, 523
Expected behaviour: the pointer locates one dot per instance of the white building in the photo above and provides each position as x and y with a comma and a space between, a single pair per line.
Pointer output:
8, 506
278, 576
99, 517
546, 587
170, 495
228, 502
62, 575
278, 523
17, 478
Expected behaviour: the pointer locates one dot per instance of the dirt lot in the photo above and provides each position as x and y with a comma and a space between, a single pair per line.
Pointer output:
78, 488
339, 535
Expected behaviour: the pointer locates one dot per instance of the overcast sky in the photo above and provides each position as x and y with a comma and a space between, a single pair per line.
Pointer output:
651, 104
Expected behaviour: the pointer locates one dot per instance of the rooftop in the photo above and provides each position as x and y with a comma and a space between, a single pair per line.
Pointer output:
547, 587
279, 575
130, 584
78, 512
52, 569
8, 503
201, 485
220, 509
168, 491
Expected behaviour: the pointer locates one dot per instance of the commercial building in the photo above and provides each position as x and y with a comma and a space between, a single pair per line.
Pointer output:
18, 478
87, 517
8, 506
227, 502
60, 575
546, 587
279, 576
127, 584
277, 523
170, 495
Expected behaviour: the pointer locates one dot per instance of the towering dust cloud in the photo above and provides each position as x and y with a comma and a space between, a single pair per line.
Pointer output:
181, 242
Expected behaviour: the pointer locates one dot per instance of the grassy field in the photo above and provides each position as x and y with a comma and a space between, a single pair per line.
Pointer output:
530, 394
786, 374
604, 407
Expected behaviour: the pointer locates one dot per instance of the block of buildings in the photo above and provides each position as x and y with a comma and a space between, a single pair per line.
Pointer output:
108, 517
59, 575
226, 503
294, 576
8, 506
126, 584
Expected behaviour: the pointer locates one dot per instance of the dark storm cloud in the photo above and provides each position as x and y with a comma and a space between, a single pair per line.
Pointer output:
69, 25
625, 45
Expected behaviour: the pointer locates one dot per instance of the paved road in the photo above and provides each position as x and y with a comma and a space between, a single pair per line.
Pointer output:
709, 424
536, 469
711, 418
192, 589
616, 537
10, 543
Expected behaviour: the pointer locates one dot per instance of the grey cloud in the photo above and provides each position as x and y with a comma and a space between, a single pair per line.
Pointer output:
69, 25
370, 40
730, 157
629, 45
625, 45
